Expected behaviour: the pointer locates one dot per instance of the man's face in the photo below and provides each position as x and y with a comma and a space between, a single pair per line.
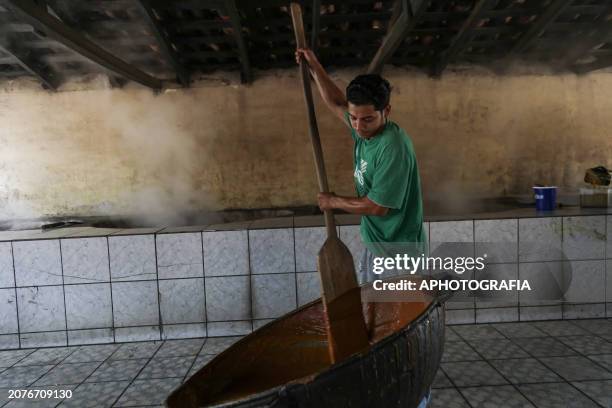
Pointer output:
366, 120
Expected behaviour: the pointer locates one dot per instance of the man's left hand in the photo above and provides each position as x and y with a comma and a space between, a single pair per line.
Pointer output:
325, 201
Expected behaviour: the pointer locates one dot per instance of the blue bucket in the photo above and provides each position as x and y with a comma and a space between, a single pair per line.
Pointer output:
545, 198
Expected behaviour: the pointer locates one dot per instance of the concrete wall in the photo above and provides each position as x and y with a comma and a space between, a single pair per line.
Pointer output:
220, 145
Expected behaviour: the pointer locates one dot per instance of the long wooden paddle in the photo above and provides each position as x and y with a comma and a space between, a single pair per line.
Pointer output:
346, 330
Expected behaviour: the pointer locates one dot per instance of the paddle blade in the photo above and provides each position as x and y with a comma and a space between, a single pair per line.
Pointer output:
347, 332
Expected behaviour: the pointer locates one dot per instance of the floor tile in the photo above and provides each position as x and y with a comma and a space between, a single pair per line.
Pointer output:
118, 370
556, 395
450, 334
447, 398
199, 362
560, 328
595, 326
576, 368
600, 391
10, 357
519, 329
544, 347
497, 349
504, 396
22, 376
68, 374
478, 332
166, 367
525, 371
474, 373
95, 395
85, 354
215, 345
459, 351
180, 348
136, 350
587, 344
147, 392
441, 380
604, 360
47, 356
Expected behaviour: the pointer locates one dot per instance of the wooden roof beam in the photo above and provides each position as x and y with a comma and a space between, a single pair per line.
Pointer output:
165, 46
539, 26
33, 14
410, 15
463, 37
601, 63
30, 63
232, 12
600, 33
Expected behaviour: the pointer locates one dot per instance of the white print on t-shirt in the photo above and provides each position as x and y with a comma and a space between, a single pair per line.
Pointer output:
359, 172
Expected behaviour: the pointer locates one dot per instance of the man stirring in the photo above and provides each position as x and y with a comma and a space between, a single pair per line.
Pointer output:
386, 173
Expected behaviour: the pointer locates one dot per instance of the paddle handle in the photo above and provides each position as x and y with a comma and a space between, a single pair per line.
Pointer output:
300, 39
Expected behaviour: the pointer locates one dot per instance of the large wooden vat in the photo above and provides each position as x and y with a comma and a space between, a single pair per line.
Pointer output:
286, 363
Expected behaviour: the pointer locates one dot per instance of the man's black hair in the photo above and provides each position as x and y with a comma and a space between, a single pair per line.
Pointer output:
369, 89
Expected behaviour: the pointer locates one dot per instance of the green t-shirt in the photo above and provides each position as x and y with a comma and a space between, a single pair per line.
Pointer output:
386, 172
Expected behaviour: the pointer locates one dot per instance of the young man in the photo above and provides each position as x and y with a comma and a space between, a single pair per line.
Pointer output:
386, 174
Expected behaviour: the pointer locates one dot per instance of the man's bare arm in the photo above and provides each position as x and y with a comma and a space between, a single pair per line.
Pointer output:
332, 95
353, 205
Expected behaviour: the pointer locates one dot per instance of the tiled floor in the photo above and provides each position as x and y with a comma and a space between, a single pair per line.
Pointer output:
554, 364
535, 364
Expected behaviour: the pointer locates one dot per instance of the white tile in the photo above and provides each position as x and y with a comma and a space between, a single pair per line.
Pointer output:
308, 243
85, 260
142, 333
497, 272
135, 304
88, 306
273, 295
350, 235
235, 328
452, 238
37, 263
182, 300
179, 255
8, 311
587, 281
9, 341
460, 316
7, 277
584, 311
540, 239
228, 298
257, 324
226, 253
528, 313
498, 239
584, 237
308, 287
91, 336
183, 331
609, 236
41, 309
494, 315
132, 257
46, 339
271, 251
608, 280
548, 282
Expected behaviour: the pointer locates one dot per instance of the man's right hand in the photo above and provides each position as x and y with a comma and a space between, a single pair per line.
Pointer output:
307, 54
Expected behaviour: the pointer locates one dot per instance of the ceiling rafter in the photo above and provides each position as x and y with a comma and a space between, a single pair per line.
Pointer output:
165, 46
409, 16
39, 18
